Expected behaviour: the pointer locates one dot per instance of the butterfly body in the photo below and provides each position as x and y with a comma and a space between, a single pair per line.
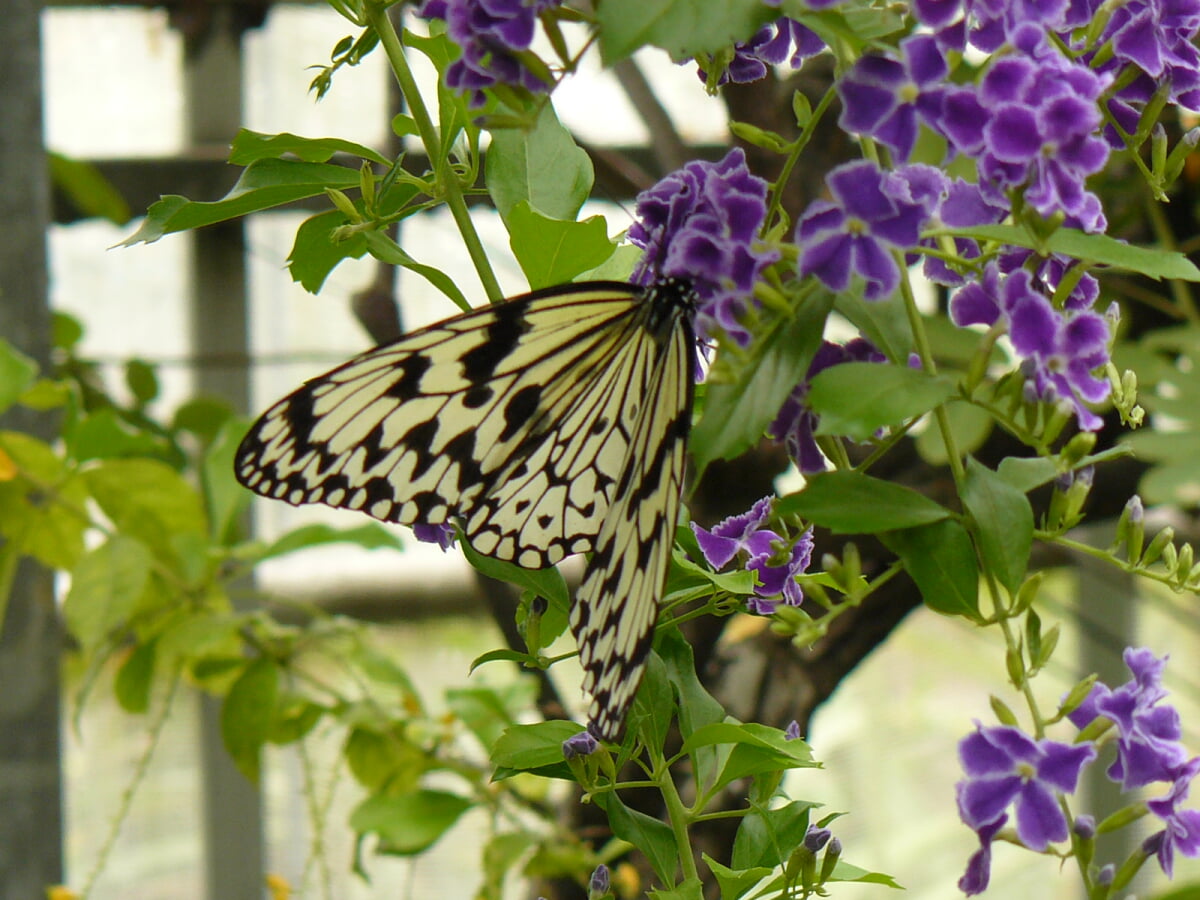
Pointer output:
551, 424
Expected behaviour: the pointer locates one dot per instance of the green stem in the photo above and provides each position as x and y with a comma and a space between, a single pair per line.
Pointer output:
678, 814
447, 182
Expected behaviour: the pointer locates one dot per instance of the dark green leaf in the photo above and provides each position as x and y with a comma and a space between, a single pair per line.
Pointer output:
547, 583
684, 28
142, 380
135, 678
554, 251
542, 165
409, 823
384, 249
315, 253
17, 374
941, 560
653, 706
969, 425
737, 411
766, 838
248, 713
251, 146
88, 191
850, 502
533, 746
264, 185
1004, 522
654, 838
882, 322
735, 882
856, 399
1092, 248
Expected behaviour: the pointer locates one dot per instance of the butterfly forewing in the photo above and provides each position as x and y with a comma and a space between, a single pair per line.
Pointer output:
505, 411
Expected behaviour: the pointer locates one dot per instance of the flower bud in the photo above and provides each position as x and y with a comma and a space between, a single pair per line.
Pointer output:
599, 885
816, 838
833, 852
582, 744
1158, 543
1085, 827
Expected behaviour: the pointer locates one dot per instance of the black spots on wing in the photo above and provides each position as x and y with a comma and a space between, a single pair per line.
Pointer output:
411, 370
477, 396
419, 439
545, 521
599, 427
378, 489
461, 449
502, 336
588, 511
427, 502
301, 418
373, 448
521, 506
520, 409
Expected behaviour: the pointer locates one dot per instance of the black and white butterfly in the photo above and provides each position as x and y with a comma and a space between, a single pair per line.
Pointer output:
550, 424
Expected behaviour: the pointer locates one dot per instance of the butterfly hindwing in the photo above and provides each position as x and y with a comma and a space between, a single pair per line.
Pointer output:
501, 418
617, 606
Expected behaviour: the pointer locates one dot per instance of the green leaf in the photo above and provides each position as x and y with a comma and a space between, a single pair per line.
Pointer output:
384, 249
248, 713
654, 838
136, 677
104, 434
856, 399
294, 719
766, 838
848, 502
883, 322
202, 416
409, 823
554, 251
17, 374
148, 500
142, 380
1171, 483
684, 28
738, 410
385, 759
227, 501
482, 711
41, 510
653, 705
369, 536
251, 146
526, 747
88, 191
1004, 523
263, 185
502, 655
547, 583
1092, 248
697, 707
688, 889
941, 560
542, 165
105, 589
969, 426
315, 253
735, 882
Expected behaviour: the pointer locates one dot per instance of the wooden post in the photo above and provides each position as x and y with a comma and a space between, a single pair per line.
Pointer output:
233, 820
31, 820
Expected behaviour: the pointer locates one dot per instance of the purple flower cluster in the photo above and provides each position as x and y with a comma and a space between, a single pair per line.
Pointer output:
701, 224
492, 34
1148, 750
775, 560
795, 426
783, 41
1060, 349
1006, 768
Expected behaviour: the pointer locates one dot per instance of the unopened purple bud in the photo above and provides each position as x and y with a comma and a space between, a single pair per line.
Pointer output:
1134, 508
1064, 481
1085, 476
816, 838
1106, 874
792, 732
835, 847
1113, 315
582, 744
1151, 845
598, 886
1085, 827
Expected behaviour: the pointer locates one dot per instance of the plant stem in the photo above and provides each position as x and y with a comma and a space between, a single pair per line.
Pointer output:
447, 182
678, 815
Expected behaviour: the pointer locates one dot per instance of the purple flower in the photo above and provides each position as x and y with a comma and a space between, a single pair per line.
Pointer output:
1148, 748
963, 206
701, 224
1006, 767
767, 555
1060, 349
792, 732
1182, 831
979, 866
599, 883
442, 535
784, 40
1032, 124
887, 98
816, 838
582, 744
795, 425
858, 231
492, 34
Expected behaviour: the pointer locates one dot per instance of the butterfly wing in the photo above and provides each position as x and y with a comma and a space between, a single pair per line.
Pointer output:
508, 419
616, 609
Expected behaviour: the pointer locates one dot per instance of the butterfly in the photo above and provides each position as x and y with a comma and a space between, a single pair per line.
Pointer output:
552, 423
